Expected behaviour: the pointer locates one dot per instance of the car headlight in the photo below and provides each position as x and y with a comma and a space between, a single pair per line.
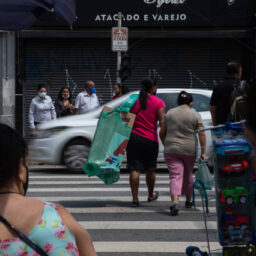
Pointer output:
44, 134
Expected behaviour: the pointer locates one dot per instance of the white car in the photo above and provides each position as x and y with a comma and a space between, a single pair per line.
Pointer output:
67, 140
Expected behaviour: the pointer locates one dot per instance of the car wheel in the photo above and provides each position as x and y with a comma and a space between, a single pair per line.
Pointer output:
242, 199
75, 154
229, 200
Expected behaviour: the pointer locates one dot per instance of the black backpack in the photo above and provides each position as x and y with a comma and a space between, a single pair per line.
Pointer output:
238, 102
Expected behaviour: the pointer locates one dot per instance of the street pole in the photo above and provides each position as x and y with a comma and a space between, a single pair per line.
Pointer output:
119, 54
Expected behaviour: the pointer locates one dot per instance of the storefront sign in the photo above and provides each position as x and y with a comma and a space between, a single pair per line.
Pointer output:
163, 13
159, 3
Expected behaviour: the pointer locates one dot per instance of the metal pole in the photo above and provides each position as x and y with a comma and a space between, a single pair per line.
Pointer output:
119, 54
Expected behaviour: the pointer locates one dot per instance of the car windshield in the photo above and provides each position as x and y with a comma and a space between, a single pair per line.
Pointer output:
200, 102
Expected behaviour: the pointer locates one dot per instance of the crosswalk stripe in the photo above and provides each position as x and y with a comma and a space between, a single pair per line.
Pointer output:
84, 176
151, 247
148, 225
93, 189
87, 182
106, 198
131, 210
96, 185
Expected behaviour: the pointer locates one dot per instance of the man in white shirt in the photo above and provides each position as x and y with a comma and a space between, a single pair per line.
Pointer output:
86, 100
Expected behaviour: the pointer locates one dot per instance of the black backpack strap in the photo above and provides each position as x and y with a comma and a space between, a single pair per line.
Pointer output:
23, 237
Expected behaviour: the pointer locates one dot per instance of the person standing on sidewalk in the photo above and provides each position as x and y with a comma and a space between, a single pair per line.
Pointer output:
117, 91
86, 100
142, 149
63, 103
221, 96
177, 134
41, 108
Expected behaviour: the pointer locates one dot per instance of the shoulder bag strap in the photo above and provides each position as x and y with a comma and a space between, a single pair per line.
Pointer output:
23, 237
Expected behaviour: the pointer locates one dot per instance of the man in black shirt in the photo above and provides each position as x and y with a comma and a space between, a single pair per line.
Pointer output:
220, 100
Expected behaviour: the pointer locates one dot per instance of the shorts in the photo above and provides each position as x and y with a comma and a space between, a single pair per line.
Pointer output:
142, 153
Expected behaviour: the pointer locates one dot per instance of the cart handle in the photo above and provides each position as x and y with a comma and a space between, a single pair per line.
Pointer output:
218, 126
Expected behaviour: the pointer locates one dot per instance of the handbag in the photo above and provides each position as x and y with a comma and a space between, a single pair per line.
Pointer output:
203, 174
23, 237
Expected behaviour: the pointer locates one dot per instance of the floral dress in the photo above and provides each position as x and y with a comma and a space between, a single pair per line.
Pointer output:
50, 234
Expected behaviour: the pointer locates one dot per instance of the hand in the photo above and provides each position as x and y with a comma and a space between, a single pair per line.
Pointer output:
71, 106
33, 129
203, 156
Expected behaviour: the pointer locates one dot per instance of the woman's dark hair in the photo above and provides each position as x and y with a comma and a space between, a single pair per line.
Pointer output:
147, 84
13, 148
184, 98
60, 94
250, 115
124, 89
40, 86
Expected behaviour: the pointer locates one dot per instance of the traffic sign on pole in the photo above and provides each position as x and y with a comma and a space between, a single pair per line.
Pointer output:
119, 39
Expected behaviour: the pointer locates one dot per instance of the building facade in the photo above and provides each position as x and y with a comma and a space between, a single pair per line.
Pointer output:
181, 43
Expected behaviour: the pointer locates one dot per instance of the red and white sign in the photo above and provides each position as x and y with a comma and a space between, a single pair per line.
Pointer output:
119, 39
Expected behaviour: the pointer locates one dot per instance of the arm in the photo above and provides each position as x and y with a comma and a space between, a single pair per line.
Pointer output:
213, 114
32, 111
160, 115
53, 113
202, 140
57, 108
83, 239
213, 104
160, 118
76, 105
98, 101
163, 132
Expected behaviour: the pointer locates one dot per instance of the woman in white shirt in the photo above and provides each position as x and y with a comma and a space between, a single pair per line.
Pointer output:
41, 108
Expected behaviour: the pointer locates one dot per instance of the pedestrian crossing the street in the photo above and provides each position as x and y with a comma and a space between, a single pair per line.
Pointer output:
119, 229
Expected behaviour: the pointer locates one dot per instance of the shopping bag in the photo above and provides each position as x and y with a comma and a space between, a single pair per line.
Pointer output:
203, 174
109, 145
128, 104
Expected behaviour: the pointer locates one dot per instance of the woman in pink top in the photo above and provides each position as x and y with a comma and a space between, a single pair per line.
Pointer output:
142, 150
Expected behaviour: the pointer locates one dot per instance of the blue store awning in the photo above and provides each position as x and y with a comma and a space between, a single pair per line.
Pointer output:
21, 14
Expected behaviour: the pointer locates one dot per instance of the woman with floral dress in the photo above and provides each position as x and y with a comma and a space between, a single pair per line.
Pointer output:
48, 225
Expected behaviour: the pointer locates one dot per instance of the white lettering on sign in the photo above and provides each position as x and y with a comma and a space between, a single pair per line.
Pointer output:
159, 3
170, 17
166, 17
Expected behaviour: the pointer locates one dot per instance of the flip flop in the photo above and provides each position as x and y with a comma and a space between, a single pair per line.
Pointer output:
135, 204
154, 198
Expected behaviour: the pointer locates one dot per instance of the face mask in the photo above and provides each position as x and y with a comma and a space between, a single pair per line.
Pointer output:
25, 185
93, 90
65, 97
42, 94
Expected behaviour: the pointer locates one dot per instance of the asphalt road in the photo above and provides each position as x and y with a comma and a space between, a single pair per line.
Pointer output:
116, 227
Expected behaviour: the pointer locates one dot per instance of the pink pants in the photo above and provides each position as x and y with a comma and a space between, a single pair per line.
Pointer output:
180, 171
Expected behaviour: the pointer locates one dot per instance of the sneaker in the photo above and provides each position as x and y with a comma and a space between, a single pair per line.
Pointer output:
188, 204
174, 209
